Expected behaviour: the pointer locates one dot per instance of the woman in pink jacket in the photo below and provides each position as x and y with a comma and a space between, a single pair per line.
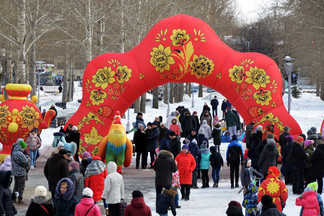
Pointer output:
33, 143
308, 200
87, 205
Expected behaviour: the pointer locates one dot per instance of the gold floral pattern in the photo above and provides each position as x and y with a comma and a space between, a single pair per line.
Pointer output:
161, 59
201, 66
262, 97
179, 37
237, 74
97, 96
257, 77
161, 35
30, 118
271, 118
92, 138
123, 74
103, 77
4, 113
199, 35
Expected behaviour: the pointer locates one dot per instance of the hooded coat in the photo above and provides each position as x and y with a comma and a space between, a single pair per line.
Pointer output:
186, 165
175, 127
6, 205
164, 166
140, 141
234, 152
248, 134
309, 203
137, 207
6, 165
216, 134
19, 161
194, 150
37, 206
164, 201
78, 183
152, 137
231, 119
206, 117
204, 157
188, 123
65, 203
207, 129
268, 157
33, 142
83, 207
216, 160
317, 161
247, 174
114, 185
271, 210
250, 200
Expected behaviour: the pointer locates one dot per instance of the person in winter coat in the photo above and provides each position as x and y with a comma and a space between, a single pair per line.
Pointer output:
194, 150
40, 205
231, 122
55, 169
19, 162
64, 200
216, 162
139, 120
207, 129
86, 160
313, 186
207, 117
140, 146
201, 137
206, 108
33, 143
95, 175
214, 103
75, 137
248, 133
297, 159
248, 174
175, 127
316, 170
268, 157
163, 131
250, 200
309, 150
203, 158
169, 119
269, 208
137, 206
186, 165
166, 200
279, 193
188, 123
234, 155
152, 138
6, 206
195, 116
6, 165
171, 143
224, 107
216, 134
308, 200
234, 209
114, 189
87, 205
254, 143
287, 168
176, 185
164, 166
282, 138
77, 178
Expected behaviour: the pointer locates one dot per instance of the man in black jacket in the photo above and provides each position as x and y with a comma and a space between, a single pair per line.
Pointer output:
188, 123
282, 138
234, 155
214, 103
316, 170
164, 166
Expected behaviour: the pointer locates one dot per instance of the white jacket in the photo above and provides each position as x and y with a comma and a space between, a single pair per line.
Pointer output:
114, 185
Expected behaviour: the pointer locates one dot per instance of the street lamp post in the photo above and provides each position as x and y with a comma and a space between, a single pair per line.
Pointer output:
168, 110
193, 99
127, 124
289, 64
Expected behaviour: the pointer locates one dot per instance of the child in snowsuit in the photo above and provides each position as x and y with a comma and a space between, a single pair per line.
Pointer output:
248, 173
309, 203
250, 201
216, 134
203, 159
216, 161
313, 187
166, 200
176, 185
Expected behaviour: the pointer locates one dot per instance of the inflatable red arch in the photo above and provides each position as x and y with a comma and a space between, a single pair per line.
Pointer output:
179, 49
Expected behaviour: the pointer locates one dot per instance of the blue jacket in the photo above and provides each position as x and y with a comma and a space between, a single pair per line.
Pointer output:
163, 201
194, 150
234, 152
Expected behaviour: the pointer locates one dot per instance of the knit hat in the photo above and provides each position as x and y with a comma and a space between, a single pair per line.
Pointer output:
87, 192
266, 200
271, 141
234, 137
63, 151
137, 193
303, 135
149, 124
172, 133
60, 144
234, 203
86, 155
185, 147
259, 128
308, 142
286, 128
139, 125
313, 129
300, 140
40, 191
74, 165
313, 186
154, 123
74, 128
194, 141
309, 132
269, 136
290, 138
22, 144
201, 131
173, 190
194, 112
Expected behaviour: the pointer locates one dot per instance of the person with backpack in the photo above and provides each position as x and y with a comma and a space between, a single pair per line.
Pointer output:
87, 206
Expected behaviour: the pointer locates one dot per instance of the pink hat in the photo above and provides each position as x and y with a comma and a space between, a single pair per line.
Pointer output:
74, 165
308, 142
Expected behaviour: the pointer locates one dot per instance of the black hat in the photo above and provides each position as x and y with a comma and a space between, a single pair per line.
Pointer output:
172, 133
137, 193
149, 124
139, 113
63, 151
154, 123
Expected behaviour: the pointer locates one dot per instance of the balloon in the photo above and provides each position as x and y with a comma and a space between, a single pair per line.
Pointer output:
179, 49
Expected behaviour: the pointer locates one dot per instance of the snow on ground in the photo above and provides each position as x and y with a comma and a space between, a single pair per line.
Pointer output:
307, 110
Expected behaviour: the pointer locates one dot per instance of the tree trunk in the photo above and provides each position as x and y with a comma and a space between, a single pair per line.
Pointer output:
32, 74
143, 103
181, 91
137, 105
165, 93
155, 102
322, 89
65, 93
200, 93
188, 89
89, 31
21, 67
317, 87
171, 93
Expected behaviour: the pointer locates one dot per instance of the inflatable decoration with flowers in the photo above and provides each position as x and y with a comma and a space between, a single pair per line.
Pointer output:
179, 49
18, 116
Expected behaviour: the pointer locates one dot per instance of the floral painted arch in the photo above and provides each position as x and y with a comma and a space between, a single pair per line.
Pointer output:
179, 49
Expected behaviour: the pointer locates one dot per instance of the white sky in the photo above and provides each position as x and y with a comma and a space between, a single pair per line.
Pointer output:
249, 10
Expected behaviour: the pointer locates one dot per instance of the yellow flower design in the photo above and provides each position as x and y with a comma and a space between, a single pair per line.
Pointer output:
273, 187
97, 96
30, 118
161, 59
236, 74
103, 77
92, 138
201, 66
179, 37
4, 113
262, 97
123, 74
258, 77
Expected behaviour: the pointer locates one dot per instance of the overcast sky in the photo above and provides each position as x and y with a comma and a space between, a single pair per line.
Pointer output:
249, 9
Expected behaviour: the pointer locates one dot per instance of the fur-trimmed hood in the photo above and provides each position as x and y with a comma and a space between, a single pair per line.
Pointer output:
41, 200
165, 154
167, 192
69, 192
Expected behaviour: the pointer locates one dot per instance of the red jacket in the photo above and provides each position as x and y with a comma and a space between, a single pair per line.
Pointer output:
310, 203
175, 128
85, 204
186, 165
137, 207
